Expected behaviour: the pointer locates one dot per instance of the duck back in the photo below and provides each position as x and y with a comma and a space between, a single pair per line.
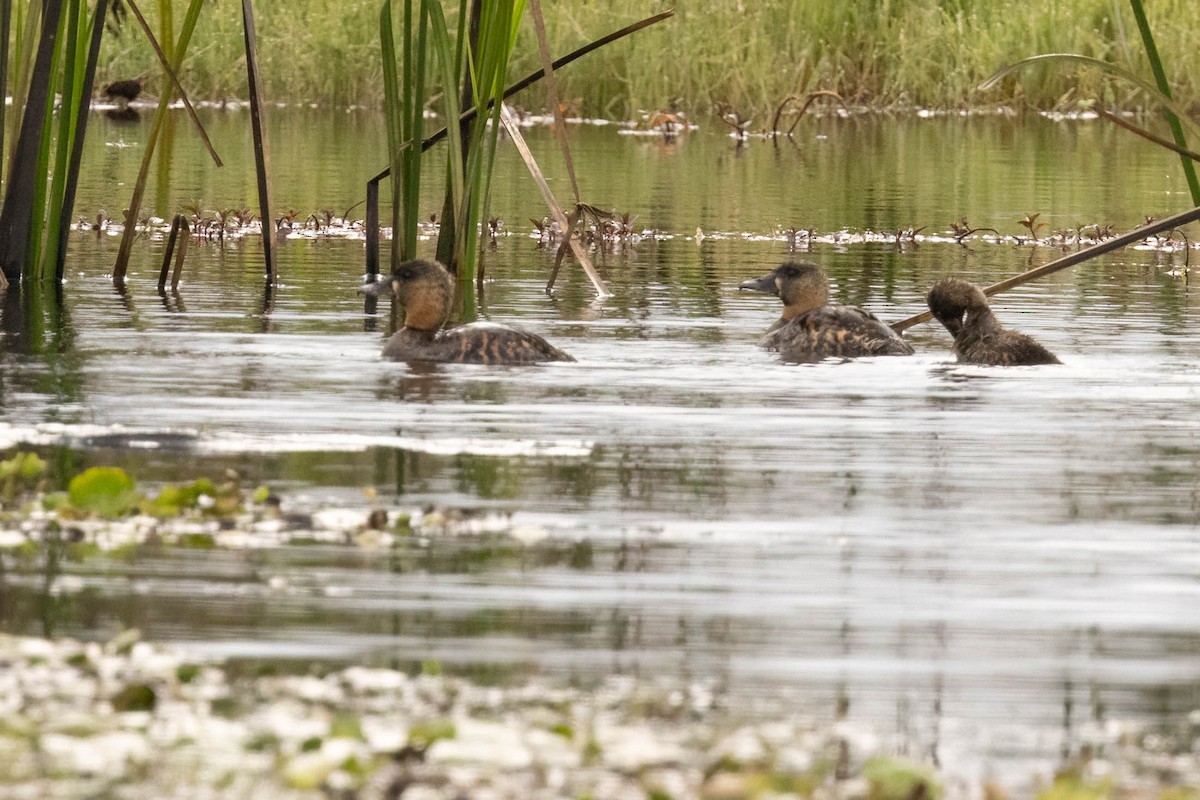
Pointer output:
1002, 349
834, 332
475, 343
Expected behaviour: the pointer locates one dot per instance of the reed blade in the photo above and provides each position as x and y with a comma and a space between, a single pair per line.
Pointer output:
139, 188
72, 59
16, 237
537, 75
165, 62
81, 118
261, 157
552, 89
5, 22
1164, 88
1147, 135
514, 131
1166, 101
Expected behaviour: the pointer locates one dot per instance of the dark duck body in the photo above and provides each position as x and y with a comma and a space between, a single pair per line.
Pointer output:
811, 329
979, 338
125, 91
426, 290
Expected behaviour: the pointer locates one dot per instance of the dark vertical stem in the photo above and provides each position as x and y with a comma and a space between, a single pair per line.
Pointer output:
17, 214
169, 251
1160, 78
85, 103
254, 79
184, 235
372, 228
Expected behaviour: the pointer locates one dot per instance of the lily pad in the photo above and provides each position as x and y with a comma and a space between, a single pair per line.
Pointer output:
107, 491
135, 697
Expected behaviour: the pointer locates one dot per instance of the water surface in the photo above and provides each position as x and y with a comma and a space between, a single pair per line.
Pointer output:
981, 562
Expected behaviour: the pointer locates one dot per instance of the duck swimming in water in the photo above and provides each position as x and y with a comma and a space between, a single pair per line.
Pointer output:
979, 338
811, 329
425, 290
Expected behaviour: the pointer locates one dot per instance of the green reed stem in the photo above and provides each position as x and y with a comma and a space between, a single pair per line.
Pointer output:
1160, 78
5, 19
73, 106
81, 104
27, 178
404, 90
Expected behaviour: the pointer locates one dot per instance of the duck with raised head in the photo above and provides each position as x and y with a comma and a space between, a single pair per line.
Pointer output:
979, 338
425, 290
811, 329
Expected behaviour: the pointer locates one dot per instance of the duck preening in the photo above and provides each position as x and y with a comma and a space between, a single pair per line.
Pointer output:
811, 329
979, 338
426, 290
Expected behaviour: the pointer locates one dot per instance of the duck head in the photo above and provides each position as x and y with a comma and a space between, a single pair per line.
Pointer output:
425, 290
802, 287
951, 299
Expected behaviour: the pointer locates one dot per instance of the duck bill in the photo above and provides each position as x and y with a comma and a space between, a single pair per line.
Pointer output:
764, 284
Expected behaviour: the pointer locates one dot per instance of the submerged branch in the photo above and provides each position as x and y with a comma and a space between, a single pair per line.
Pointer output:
1070, 260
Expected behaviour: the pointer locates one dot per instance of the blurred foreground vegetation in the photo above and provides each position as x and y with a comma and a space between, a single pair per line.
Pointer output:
717, 54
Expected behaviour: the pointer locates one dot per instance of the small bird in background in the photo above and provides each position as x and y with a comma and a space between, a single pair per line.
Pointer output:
125, 91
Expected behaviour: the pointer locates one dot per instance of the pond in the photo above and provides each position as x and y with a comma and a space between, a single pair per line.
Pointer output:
980, 561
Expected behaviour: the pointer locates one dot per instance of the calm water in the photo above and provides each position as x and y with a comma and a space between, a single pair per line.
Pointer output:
980, 561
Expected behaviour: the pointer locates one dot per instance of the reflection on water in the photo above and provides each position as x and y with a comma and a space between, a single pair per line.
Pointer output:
963, 554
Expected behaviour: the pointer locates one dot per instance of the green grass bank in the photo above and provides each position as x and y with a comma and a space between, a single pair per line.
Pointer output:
747, 55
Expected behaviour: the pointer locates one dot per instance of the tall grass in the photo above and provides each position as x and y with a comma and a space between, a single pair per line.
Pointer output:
1164, 87
55, 54
747, 55
479, 63
468, 70
404, 93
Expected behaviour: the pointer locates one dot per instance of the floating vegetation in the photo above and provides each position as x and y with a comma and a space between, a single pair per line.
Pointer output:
613, 231
125, 716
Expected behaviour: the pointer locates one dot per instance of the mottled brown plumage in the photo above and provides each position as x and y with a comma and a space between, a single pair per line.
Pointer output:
979, 338
426, 290
811, 329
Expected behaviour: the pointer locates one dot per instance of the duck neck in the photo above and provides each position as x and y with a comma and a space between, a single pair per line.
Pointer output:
804, 304
424, 318
980, 322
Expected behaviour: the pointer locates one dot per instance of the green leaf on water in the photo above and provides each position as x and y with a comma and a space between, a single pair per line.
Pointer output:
107, 491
